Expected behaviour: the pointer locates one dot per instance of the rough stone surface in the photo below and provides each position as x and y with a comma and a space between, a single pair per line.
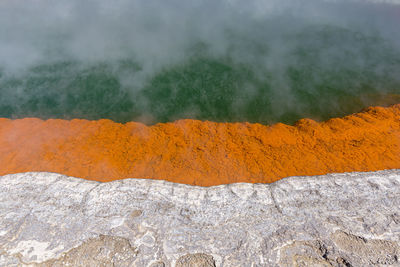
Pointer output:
350, 219
102, 251
196, 260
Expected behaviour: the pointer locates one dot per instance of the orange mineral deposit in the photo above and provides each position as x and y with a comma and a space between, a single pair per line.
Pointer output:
202, 152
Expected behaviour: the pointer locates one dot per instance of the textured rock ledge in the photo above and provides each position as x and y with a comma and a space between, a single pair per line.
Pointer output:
348, 219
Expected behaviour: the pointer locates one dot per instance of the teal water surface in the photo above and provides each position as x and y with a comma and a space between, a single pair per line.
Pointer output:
328, 71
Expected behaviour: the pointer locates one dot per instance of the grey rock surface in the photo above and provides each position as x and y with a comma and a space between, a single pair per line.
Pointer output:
350, 219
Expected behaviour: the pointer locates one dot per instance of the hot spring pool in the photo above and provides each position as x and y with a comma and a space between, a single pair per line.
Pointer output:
160, 61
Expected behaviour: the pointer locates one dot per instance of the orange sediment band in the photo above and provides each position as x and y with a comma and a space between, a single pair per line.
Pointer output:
202, 152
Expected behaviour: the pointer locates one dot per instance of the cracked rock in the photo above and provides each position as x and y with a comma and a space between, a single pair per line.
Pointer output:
349, 219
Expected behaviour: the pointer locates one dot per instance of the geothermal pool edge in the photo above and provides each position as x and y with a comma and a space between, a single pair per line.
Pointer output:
202, 152
349, 219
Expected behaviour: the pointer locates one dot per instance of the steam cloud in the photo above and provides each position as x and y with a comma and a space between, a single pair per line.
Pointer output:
226, 60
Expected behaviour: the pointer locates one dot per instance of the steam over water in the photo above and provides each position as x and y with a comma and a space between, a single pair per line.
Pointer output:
222, 60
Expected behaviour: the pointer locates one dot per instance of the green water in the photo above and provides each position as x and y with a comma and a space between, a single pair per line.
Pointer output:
329, 72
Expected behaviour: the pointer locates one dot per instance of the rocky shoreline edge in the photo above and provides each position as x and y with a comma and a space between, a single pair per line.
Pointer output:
348, 219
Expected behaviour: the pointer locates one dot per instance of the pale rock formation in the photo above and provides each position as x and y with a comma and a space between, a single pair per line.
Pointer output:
350, 219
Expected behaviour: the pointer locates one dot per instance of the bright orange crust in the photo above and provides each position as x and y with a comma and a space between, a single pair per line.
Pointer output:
202, 152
